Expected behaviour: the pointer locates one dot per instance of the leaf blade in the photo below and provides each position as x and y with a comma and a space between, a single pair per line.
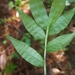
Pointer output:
62, 22
31, 25
59, 42
40, 13
28, 53
56, 10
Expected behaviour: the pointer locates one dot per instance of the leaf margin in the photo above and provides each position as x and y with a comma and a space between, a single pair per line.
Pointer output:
13, 41
58, 44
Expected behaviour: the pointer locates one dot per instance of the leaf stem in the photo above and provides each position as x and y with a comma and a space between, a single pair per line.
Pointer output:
45, 49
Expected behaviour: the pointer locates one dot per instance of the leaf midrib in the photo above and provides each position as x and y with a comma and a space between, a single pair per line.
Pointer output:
34, 24
30, 53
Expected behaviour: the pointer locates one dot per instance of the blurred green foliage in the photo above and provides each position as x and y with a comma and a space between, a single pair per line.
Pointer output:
26, 38
16, 3
14, 55
10, 67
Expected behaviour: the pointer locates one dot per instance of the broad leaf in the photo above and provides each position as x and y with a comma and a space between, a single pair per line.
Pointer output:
28, 53
39, 12
31, 25
56, 10
59, 42
62, 22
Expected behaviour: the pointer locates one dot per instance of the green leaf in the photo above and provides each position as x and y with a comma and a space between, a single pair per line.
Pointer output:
28, 53
10, 67
62, 22
31, 25
11, 4
39, 12
17, 2
56, 10
59, 42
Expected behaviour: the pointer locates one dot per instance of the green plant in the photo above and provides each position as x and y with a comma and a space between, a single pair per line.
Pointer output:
1, 21
10, 67
14, 55
16, 2
26, 38
52, 24
4, 41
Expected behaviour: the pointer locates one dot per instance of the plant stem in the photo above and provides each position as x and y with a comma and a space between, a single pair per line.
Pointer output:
45, 50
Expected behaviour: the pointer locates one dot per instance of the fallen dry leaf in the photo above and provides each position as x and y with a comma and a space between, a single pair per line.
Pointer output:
2, 60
